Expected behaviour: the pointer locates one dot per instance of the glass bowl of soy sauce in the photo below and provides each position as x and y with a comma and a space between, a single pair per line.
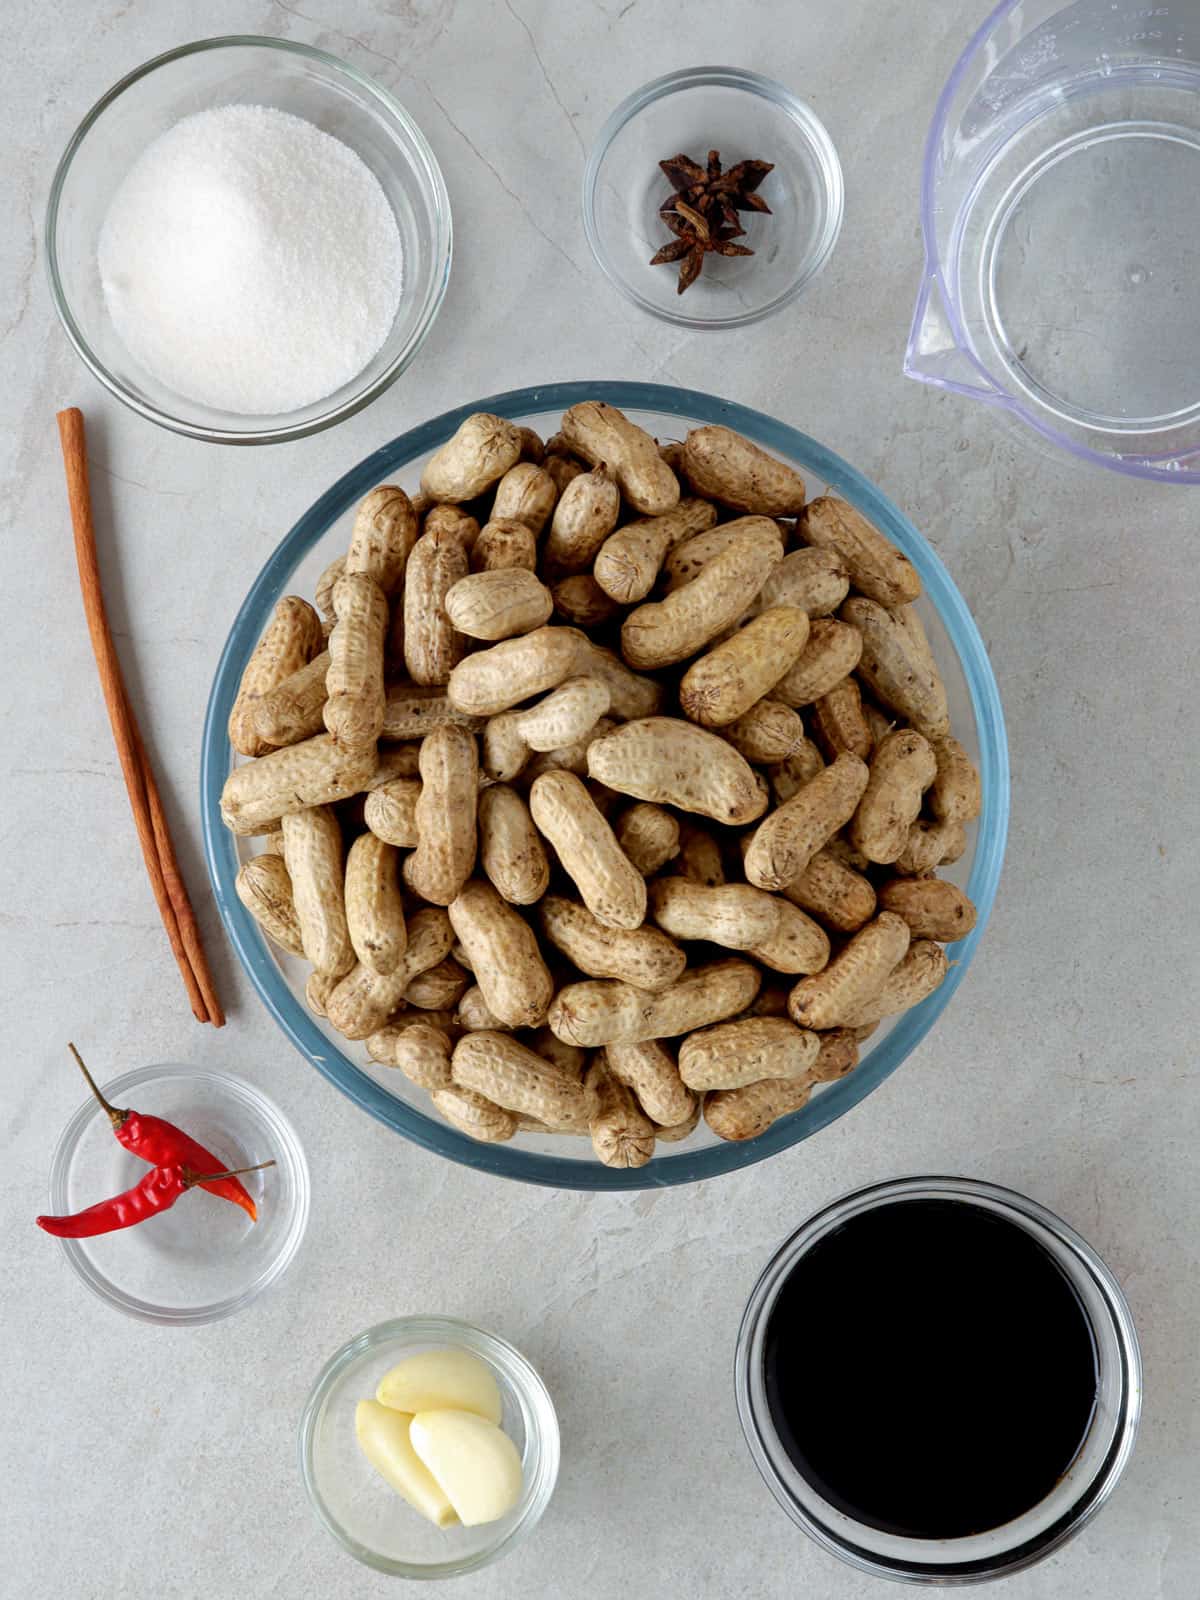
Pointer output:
939, 1380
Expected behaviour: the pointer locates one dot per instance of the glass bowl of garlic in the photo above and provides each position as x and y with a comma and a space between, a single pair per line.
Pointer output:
469, 1391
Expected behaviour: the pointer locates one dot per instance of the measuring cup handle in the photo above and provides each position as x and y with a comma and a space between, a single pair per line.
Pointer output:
935, 356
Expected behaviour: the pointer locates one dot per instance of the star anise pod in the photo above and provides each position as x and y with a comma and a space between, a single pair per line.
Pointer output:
702, 213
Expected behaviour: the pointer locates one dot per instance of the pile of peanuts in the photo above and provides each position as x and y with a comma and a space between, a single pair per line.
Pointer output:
560, 794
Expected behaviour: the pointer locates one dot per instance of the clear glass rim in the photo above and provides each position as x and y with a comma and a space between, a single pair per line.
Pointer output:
1025, 1551
432, 182
511, 1161
1171, 468
765, 88
290, 1154
539, 1418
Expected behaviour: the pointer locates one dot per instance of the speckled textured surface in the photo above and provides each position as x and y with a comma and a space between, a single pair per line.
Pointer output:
142, 1461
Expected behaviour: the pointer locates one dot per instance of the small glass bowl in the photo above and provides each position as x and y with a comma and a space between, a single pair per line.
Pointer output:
308, 83
1080, 1492
204, 1259
743, 115
367, 1516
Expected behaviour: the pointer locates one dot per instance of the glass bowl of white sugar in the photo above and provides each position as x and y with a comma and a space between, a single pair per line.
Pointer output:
248, 240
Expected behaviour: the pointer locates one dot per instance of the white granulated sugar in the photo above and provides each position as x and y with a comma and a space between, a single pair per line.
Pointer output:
251, 262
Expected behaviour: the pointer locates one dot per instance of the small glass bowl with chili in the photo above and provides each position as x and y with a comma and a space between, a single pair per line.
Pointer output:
203, 1259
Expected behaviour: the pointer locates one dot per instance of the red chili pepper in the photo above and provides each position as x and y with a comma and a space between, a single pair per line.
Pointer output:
157, 1191
161, 1143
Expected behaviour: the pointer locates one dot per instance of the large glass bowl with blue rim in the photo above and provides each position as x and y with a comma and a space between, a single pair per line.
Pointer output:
322, 533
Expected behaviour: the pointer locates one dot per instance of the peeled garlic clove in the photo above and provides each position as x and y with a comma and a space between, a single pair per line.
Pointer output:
383, 1437
476, 1464
441, 1380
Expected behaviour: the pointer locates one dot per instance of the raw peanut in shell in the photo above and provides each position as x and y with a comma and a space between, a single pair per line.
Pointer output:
511, 852
629, 560
478, 454
384, 532
643, 957
746, 1051
916, 977
474, 1115
520, 1080
622, 1135
493, 680
293, 636
674, 1132
879, 724
314, 773
831, 654
815, 580
609, 884
561, 469
294, 709
432, 644
526, 493
649, 836
600, 433
902, 769
374, 909
323, 594
838, 723
319, 987
790, 775
453, 525
797, 945
841, 848
767, 734
391, 812
772, 999
421, 1052
502, 544
445, 812
699, 855
671, 450
894, 670
412, 709
786, 841
650, 1070
746, 1112
956, 794
735, 915
499, 603
364, 1000
584, 517
837, 1056
854, 977
504, 751
265, 889
721, 465
595, 1013
440, 988
672, 762
567, 1056
354, 708
632, 696
312, 850
688, 559
876, 567
566, 715
833, 893
473, 1013
732, 677
932, 907
673, 629
508, 967
532, 447
930, 845
582, 602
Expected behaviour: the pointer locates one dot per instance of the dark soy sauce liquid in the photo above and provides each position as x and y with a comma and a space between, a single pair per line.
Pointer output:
930, 1369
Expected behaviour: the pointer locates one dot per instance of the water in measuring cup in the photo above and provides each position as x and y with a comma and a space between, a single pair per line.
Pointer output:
1076, 259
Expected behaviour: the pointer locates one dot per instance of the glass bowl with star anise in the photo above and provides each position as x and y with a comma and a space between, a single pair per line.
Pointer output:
713, 196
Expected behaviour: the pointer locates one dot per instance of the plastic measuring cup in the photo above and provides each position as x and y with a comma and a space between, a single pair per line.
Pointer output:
1062, 247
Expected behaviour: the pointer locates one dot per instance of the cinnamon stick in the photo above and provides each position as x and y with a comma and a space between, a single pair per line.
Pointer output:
157, 851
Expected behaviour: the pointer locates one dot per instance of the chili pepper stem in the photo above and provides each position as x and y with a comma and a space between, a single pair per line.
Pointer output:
193, 1178
115, 1115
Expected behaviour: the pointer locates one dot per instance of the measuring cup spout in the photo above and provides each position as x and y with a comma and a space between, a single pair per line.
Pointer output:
935, 356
